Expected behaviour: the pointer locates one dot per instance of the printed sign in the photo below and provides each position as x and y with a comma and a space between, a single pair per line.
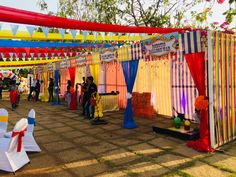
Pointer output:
39, 69
63, 64
50, 67
161, 45
81, 60
108, 55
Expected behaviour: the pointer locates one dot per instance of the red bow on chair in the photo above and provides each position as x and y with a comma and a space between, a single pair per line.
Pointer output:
21, 134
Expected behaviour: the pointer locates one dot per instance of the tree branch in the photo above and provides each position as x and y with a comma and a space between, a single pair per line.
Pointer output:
133, 14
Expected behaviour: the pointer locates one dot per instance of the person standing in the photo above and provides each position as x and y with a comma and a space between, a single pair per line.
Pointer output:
50, 89
1, 86
84, 94
68, 93
37, 90
92, 90
32, 89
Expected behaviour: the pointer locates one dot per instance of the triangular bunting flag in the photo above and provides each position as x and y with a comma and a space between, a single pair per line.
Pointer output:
46, 55
11, 54
103, 35
95, 35
73, 33
16, 55
14, 29
146, 36
140, 36
23, 55
32, 55
45, 31
71, 54
85, 34
127, 36
77, 54
39, 54
1, 25
53, 54
133, 36
65, 54
62, 32
58, 54
111, 35
2, 55
30, 29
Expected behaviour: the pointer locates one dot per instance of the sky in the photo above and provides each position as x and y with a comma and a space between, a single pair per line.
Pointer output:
31, 5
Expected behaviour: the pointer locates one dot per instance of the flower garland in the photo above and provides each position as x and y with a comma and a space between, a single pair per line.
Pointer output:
201, 103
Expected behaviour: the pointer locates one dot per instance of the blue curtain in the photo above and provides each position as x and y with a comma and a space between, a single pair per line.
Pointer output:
56, 77
130, 71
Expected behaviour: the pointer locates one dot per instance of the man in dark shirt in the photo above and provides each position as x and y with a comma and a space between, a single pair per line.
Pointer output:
91, 91
50, 90
37, 89
84, 94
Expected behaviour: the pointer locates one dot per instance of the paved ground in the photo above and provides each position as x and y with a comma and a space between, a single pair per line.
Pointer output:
72, 147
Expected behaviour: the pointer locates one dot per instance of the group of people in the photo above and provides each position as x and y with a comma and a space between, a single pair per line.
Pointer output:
88, 92
35, 87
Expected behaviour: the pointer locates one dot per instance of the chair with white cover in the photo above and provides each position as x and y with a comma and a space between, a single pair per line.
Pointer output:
12, 153
30, 144
3, 122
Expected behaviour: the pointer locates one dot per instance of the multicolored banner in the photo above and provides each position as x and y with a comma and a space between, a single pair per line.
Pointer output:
108, 55
160, 46
81, 60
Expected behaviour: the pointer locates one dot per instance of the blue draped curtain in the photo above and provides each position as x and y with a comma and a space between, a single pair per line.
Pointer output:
130, 71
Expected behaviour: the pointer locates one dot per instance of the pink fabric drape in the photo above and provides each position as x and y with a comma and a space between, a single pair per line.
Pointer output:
196, 64
115, 82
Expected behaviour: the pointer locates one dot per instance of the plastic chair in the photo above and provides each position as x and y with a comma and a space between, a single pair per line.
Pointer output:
12, 153
3, 122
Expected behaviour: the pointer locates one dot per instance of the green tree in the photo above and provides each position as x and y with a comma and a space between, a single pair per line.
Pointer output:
152, 13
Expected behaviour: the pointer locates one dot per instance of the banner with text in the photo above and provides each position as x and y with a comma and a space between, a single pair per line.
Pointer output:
160, 45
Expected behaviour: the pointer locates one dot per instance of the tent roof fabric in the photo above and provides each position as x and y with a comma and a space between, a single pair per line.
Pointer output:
13, 15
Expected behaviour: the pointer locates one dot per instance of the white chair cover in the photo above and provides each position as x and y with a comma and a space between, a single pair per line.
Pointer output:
31, 121
30, 144
12, 153
3, 122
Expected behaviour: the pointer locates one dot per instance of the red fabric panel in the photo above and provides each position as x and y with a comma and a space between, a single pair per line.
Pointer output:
8, 14
196, 64
72, 76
